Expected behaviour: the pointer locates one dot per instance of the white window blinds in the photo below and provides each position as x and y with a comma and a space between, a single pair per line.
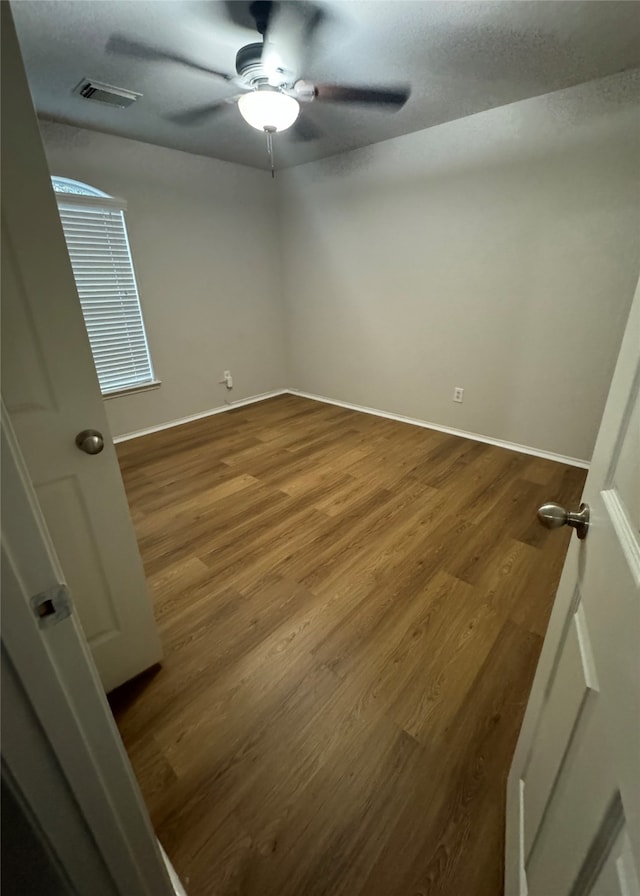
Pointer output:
96, 236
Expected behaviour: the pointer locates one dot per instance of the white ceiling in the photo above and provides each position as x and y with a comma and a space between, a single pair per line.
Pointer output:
459, 57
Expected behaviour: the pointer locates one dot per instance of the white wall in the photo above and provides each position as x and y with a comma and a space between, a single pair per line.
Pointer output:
498, 253
207, 259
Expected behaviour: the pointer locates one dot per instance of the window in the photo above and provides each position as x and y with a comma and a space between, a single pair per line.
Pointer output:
96, 236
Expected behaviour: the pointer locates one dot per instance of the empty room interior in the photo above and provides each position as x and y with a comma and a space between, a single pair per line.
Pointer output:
323, 301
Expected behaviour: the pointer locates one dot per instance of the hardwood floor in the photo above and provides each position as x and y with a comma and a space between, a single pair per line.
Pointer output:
352, 610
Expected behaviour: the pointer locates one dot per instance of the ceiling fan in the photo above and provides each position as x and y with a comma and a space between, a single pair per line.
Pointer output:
271, 89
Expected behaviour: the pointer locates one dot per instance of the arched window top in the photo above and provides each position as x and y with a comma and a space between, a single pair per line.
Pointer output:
75, 187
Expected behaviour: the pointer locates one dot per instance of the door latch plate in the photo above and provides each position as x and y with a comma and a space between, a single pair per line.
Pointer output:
52, 606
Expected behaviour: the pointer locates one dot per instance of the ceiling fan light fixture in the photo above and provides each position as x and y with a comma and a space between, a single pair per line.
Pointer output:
268, 109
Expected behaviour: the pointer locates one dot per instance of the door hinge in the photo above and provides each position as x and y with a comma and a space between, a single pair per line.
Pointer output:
52, 606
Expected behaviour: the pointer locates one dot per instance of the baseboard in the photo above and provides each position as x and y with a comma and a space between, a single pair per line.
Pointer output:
176, 883
221, 410
476, 437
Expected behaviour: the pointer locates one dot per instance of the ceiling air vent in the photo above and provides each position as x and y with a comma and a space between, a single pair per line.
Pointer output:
106, 93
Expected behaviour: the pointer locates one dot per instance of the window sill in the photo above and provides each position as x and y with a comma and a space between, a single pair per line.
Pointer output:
131, 390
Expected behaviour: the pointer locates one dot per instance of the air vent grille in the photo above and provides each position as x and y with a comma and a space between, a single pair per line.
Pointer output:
106, 93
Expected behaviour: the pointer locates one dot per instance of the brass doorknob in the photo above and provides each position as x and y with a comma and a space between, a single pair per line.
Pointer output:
553, 516
90, 440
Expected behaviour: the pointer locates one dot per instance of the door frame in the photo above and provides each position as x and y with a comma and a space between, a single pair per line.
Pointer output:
60, 744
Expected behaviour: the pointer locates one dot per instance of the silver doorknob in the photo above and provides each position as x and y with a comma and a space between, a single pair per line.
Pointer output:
553, 516
90, 440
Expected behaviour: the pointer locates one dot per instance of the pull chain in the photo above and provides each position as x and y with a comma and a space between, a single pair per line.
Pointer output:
270, 131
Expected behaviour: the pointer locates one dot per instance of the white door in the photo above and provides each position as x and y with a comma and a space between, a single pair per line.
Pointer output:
51, 392
573, 795
61, 750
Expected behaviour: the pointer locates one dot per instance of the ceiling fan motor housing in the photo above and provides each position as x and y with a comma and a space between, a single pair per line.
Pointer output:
249, 64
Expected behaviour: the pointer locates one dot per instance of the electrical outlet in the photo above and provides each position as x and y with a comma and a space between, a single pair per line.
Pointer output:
458, 394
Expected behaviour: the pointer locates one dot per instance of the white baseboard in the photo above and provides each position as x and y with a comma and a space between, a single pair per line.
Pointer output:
476, 437
221, 410
176, 883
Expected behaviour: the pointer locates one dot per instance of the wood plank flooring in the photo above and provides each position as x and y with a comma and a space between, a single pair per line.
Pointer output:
351, 610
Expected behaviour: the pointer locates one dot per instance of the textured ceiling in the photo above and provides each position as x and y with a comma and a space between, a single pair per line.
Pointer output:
458, 57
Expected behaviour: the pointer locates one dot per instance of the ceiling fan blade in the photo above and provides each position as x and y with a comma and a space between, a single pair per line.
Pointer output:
291, 32
316, 18
261, 12
305, 130
200, 114
236, 13
121, 45
282, 48
394, 98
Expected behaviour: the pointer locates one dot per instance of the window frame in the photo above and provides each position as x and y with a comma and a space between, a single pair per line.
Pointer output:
76, 195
